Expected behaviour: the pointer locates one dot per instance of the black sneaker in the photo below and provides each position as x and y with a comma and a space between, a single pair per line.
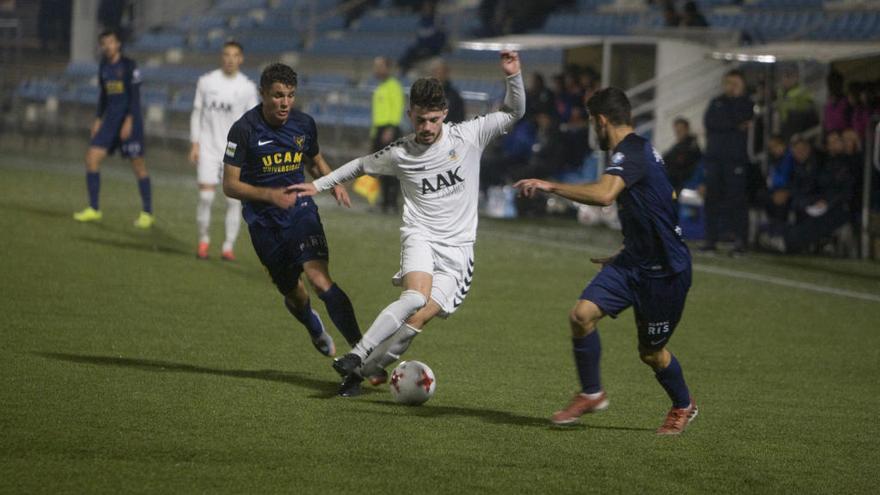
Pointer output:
350, 386
346, 365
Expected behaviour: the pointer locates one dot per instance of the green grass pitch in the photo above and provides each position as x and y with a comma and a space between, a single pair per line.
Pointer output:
126, 365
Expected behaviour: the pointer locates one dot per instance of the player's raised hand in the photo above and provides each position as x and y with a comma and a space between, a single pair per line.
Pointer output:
528, 187
510, 62
340, 194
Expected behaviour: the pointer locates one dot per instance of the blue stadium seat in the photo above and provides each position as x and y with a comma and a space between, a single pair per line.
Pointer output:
155, 42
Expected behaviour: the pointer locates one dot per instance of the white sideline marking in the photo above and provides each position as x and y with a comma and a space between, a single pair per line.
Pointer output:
743, 275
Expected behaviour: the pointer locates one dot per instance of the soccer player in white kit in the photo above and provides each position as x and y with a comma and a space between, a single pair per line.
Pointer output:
222, 97
439, 170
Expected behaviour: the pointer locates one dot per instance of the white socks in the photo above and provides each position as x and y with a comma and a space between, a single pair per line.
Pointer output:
233, 222
391, 350
389, 320
203, 218
203, 214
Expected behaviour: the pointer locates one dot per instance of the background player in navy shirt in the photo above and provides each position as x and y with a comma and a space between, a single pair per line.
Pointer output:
118, 125
266, 151
651, 272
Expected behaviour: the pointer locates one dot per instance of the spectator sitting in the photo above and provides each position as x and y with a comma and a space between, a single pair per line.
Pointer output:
539, 98
681, 160
430, 38
838, 112
781, 165
820, 198
797, 109
670, 15
692, 16
454, 101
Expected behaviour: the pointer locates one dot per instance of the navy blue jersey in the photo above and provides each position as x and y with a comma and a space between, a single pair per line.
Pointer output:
120, 88
651, 235
272, 157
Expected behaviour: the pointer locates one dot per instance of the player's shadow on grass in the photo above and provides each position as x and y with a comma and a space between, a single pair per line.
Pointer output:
496, 417
324, 388
36, 210
155, 240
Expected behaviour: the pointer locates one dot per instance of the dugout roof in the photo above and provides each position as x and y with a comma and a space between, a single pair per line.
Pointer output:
793, 51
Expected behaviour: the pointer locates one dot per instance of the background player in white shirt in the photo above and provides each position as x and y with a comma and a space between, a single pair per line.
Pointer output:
222, 97
439, 170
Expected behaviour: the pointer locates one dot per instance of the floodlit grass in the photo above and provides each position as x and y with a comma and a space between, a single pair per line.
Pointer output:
127, 365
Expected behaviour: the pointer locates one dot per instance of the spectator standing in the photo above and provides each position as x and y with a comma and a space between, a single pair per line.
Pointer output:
796, 106
838, 112
682, 159
387, 113
539, 98
726, 122
454, 101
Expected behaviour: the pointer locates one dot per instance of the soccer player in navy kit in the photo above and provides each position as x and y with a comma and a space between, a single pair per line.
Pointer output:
265, 154
118, 125
651, 272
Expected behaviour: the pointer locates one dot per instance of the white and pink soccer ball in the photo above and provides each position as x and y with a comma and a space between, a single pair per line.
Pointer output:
412, 383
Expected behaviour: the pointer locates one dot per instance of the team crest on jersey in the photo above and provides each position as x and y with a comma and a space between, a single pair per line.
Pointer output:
452, 156
617, 158
300, 141
230, 149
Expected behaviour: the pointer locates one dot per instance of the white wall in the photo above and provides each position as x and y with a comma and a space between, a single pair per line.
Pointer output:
687, 80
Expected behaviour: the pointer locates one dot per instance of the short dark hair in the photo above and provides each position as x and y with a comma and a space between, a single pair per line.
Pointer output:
428, 93
277, 72
234, 43
109, 32
735, 73
613, 104
683, 121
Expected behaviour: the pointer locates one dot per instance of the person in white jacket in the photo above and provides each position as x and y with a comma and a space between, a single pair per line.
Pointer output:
222, 97
439, 171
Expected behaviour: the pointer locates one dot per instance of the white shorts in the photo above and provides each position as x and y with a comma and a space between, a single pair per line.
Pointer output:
451, 266
210, 168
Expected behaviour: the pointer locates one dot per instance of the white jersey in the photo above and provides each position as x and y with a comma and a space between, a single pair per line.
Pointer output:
440, 182
220, 100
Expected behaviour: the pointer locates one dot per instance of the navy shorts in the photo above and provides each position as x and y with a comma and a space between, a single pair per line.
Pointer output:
658, 303
283, 250
107, 137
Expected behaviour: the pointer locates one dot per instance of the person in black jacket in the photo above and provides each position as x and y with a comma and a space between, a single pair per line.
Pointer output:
681, 160
726, 159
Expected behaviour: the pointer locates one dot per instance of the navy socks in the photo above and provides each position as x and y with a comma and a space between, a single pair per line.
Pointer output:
672, 380
146, 194
587, 351
342, 313
93, 184
307, 318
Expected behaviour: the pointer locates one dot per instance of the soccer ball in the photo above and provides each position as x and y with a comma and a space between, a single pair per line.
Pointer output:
412, 383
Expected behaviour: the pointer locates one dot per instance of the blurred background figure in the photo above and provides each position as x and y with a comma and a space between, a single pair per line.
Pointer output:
726, 122
682, 159
387, 111
430, 38
440, 72
796, 106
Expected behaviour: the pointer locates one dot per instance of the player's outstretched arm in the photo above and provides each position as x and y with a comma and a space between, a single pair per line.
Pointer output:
235, 188
345, 173
320, 168
601, 193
